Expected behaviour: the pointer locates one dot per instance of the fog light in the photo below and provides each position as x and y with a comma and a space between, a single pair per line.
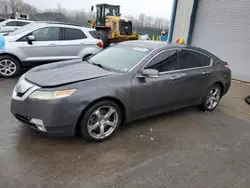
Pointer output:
39, 124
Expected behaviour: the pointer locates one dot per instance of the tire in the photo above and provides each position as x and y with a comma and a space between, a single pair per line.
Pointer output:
247, 99
104, 37
90, 121
214, 99
9, 66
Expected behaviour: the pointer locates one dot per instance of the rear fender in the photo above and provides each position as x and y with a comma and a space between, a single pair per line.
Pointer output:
89, 51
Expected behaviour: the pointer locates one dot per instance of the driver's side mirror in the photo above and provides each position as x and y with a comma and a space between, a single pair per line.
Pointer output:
92, 8
151, 73
30, 39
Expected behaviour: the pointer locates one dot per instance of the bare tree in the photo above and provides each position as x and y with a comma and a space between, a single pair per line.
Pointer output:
4, 7
141, 20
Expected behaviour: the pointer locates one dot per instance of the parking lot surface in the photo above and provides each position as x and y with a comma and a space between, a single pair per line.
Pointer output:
185, 148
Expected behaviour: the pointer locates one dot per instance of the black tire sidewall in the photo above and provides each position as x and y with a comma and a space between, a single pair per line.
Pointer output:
14, 60
104, 37
84, 121
204, 105
247, 99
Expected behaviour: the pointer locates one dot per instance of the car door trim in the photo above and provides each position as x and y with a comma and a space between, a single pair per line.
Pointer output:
179, 70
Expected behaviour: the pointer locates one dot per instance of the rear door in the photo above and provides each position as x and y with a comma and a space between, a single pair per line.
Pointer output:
44, 48
73, 42
196, 69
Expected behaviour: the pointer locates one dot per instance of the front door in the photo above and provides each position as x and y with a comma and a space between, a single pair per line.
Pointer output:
155, 95
44, 48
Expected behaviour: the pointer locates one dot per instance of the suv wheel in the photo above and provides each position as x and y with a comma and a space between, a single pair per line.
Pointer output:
101, 121
9, 66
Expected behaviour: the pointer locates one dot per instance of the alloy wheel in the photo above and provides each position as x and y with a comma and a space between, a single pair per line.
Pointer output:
7, 67
102, 122
213, 98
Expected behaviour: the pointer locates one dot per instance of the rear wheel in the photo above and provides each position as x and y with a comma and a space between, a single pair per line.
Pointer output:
9, 66
104, 37
212, 98
101, 121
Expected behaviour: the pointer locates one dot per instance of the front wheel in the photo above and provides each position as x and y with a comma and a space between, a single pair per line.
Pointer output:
212, 98
101, 121
104, 37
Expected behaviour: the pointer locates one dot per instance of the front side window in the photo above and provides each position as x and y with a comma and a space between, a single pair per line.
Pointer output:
119, 58
192, 59
11, 23
165, 61
73, 34
47, 34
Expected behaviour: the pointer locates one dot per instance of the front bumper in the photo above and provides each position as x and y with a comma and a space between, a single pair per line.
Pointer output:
56, 117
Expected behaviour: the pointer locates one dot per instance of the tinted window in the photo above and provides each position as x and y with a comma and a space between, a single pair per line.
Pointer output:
191, 59
21, 24
94, 34
205, 61
47, 34
73, 34
166, 61
120, 58
11, 23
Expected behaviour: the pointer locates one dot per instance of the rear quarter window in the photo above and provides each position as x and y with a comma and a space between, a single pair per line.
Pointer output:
94, 34
73, 34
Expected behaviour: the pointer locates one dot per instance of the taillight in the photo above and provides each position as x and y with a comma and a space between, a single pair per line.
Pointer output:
100, 44
227, 66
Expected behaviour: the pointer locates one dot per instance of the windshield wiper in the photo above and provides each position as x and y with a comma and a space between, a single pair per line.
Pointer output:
101, 66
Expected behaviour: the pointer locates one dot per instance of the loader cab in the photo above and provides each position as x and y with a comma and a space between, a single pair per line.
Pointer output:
103, 10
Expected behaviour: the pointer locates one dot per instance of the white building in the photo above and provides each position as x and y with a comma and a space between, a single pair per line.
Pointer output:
219, 26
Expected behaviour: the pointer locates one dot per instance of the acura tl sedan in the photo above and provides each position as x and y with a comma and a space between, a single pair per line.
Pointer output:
124, 82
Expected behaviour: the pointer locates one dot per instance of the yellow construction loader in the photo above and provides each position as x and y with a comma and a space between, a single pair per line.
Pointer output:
110, 26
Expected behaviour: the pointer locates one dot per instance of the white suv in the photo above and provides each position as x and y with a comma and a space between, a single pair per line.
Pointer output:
45, 42
10, 25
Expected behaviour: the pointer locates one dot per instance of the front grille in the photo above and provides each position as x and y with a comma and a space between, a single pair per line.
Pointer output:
25, 120
125, 27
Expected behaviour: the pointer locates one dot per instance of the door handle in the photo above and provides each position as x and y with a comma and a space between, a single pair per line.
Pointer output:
52, 45
205, 72
175, 77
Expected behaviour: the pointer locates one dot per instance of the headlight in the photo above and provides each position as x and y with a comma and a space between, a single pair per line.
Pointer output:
48, 95
107, 20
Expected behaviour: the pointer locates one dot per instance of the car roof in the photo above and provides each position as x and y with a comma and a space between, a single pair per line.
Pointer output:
65, 24
18, 20
164, 45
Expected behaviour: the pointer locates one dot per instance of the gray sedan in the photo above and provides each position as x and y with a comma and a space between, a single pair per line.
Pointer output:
124, 82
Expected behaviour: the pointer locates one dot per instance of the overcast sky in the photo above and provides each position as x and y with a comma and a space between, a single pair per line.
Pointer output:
156, 8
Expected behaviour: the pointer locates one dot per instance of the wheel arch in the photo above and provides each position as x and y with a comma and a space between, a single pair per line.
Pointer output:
109, 98
11, 55
221, 86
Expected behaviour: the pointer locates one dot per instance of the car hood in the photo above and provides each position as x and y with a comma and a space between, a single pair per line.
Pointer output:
65, 72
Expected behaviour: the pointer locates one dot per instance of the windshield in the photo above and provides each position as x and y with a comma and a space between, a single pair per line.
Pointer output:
119, 58
23, 29
111, 11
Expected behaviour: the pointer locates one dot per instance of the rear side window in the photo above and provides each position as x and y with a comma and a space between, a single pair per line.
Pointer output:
21, 24
192, 59
11, 23
94, 34
73, 34
165, 61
